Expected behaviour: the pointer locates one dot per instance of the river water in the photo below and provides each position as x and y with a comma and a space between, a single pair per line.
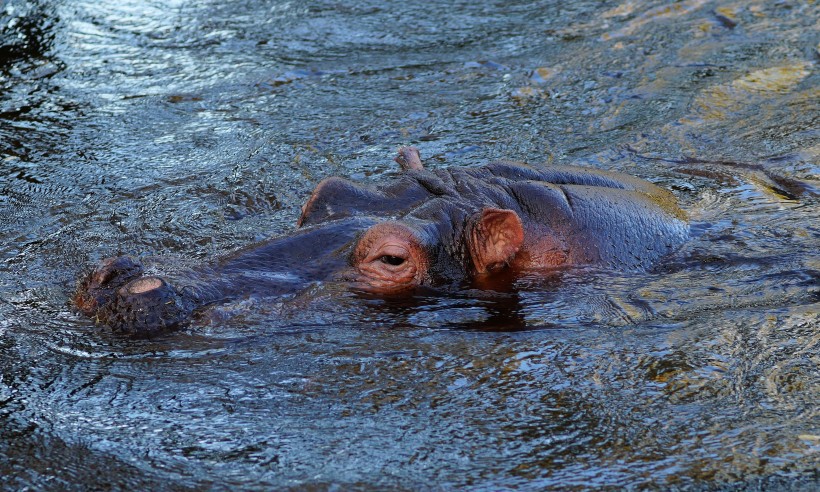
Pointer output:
182, 130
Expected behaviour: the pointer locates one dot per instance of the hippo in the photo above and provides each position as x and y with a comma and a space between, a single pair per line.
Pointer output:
421, 229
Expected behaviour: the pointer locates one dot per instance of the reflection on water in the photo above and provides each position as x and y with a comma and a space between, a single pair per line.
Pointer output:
186, 129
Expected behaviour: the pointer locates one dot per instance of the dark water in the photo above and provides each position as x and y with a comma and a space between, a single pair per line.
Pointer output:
186, 129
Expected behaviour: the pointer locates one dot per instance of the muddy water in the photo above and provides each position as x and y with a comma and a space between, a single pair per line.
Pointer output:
182, 130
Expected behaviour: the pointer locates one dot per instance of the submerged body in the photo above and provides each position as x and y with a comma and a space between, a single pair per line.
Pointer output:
421, 228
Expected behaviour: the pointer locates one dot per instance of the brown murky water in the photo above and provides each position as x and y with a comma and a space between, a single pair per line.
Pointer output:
185, 129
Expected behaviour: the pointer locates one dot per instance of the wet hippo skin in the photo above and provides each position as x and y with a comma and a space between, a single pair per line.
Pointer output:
422, 228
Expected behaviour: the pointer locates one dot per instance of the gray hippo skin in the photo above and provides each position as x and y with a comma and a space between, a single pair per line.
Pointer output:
422, 228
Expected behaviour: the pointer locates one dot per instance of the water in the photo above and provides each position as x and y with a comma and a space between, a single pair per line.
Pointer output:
183, 130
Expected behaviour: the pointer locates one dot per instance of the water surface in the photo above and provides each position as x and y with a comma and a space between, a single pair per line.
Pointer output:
183, 130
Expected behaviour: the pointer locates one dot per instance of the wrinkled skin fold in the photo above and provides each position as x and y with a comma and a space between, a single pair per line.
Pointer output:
421, 228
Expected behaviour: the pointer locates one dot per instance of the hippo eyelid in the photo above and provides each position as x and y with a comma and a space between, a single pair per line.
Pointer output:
390, 254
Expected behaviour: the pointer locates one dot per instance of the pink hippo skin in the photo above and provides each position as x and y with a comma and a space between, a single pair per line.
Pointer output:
422, 228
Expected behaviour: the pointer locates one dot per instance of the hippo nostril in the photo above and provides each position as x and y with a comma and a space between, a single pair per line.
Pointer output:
99, 286
143, 285
144, 306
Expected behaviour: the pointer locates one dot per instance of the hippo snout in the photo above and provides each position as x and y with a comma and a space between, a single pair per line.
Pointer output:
117, 294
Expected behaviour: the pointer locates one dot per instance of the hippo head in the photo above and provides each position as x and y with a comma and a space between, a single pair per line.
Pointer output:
419, 228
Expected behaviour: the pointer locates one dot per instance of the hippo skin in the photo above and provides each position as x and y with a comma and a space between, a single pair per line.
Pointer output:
422, 228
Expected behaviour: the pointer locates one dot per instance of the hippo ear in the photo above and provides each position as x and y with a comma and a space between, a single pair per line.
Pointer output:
493, 238
337, 197
409, 158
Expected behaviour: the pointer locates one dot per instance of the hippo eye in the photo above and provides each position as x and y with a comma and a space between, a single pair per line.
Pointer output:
392, 260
